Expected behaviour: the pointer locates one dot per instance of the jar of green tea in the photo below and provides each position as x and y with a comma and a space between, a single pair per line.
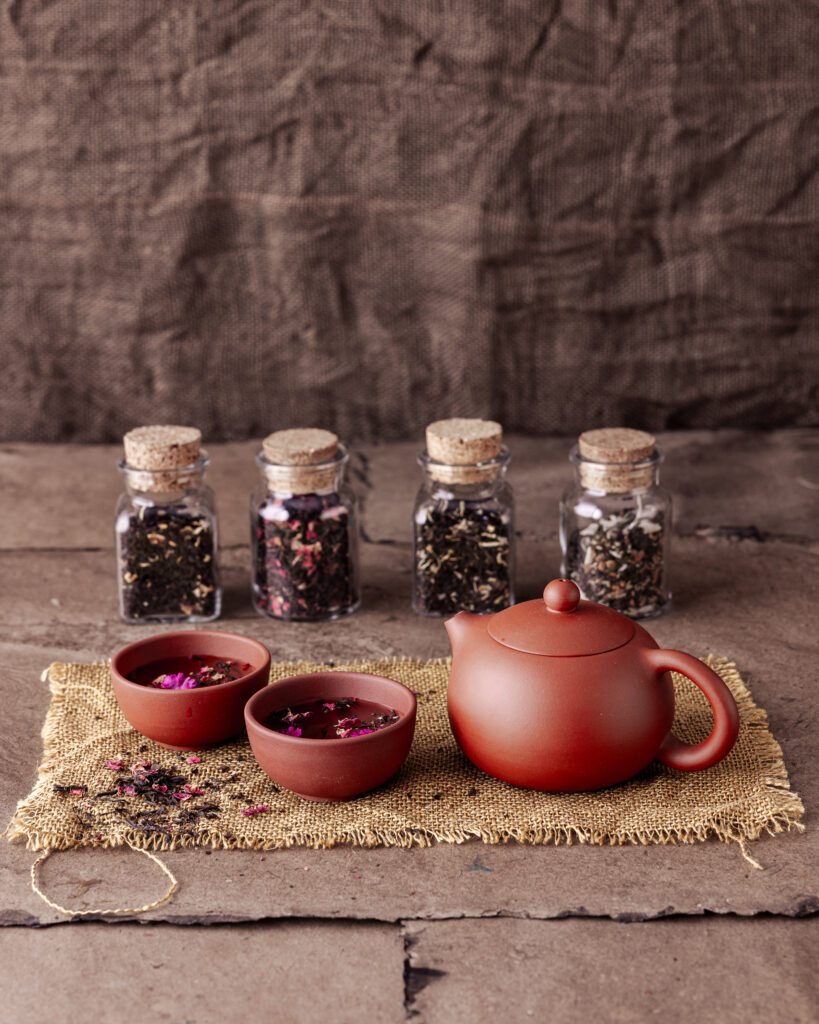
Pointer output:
463, 521
304, 528
615, 522
165, 529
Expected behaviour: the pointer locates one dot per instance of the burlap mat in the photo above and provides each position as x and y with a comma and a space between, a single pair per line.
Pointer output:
437, 795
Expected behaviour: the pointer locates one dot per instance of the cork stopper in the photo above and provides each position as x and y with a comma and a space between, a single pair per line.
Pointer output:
159, 458
616, 459
301, 460
457, 447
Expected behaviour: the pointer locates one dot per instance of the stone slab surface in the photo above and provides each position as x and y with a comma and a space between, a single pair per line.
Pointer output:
199, 975
746, 584
573, 971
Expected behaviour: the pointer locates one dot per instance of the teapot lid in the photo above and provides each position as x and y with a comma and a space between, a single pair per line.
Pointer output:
561, 625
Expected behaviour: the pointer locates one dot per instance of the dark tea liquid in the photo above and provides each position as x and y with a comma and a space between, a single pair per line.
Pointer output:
332, 720
226, 667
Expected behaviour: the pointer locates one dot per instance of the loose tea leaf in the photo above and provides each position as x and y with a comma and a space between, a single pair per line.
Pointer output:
462, 558
149, 797
166, 564
618, 561
189, 673
329, 720
304, 565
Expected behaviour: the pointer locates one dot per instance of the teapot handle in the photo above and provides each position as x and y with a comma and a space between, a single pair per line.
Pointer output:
693, 757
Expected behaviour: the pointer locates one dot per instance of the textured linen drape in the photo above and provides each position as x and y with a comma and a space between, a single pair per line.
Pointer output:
367, 215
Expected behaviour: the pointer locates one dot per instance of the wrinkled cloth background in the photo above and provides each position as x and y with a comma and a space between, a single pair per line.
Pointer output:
367, 215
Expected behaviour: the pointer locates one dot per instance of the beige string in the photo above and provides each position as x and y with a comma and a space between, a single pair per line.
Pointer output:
100, 910
751, 860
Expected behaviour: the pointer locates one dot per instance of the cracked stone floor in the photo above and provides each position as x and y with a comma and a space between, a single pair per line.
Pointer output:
451, 933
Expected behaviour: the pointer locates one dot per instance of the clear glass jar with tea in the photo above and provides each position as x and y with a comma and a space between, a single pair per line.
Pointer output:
304, 528
615, 522
463, 521
166, 529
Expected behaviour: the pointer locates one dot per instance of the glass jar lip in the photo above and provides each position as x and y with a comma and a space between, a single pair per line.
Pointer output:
339, 459
499, 461
199, 466
648, 463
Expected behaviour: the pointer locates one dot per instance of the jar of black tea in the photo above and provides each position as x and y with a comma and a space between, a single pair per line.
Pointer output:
165, 529
304, 528
615, 522
463, 521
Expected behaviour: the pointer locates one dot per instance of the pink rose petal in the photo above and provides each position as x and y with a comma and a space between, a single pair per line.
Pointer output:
250, 811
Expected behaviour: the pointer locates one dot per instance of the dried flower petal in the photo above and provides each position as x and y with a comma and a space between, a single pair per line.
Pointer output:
248, 812
175, 681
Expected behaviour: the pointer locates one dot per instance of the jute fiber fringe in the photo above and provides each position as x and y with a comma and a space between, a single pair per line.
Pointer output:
437, 796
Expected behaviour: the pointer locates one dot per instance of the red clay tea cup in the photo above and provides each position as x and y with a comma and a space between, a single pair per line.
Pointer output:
189, 719
328, 770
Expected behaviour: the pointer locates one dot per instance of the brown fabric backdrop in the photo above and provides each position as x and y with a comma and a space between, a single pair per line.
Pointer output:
367, 214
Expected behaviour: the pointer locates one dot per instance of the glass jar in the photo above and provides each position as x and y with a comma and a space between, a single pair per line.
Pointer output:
166, 529
304, 528
615, 522
463, 521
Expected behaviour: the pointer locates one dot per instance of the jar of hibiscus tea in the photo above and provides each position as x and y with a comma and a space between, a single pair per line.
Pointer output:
304, 528
165, 529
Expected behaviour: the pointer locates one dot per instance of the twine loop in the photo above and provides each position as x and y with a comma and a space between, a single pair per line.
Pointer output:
101, 910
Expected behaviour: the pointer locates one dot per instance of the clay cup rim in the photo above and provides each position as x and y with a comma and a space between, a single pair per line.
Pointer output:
317, 685
179, 643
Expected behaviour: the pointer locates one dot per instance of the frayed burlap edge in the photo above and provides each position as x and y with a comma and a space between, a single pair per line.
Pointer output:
787, 807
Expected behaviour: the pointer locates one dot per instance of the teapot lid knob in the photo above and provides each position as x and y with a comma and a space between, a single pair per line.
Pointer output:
561, 596
561, 625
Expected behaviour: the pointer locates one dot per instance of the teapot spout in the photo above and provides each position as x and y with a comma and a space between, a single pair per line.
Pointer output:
460, 627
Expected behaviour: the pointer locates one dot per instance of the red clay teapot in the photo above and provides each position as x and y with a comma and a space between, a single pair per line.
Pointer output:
562, 694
